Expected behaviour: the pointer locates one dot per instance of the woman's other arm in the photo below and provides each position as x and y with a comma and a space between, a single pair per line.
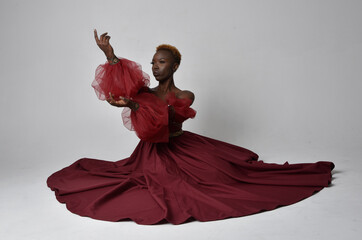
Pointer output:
122, 102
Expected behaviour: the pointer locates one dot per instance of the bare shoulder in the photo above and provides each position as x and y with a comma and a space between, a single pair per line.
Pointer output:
186, 94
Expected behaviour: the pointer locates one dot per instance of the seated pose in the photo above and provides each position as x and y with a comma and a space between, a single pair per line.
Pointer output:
173, 175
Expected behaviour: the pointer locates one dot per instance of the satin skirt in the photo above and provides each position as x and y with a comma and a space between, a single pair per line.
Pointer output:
190, 177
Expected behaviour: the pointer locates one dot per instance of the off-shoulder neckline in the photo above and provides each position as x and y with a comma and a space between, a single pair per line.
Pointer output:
169, 96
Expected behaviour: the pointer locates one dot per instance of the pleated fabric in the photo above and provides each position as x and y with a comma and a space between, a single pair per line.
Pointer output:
189, 177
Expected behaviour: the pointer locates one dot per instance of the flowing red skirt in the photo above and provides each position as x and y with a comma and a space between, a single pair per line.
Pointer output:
190, 177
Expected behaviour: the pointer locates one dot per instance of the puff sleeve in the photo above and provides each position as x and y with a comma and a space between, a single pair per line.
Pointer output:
181, 108
150, 120
124, 78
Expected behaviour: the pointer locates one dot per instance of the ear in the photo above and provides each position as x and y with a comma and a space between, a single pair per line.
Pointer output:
175, 67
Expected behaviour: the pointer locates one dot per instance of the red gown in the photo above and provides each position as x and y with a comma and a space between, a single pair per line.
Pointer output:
178, 178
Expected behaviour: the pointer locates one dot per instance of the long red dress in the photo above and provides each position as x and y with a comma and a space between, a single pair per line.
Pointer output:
178, 178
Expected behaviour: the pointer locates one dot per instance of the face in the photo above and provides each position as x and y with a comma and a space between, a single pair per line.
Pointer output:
163, 65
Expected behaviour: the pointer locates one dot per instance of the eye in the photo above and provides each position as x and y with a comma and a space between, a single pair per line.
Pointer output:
152, 62
162, 61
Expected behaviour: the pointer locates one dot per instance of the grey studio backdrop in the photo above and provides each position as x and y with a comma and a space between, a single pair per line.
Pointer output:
282, 78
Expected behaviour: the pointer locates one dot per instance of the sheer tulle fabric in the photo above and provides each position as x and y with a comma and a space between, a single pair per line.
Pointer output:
151, 120
123, 79
126, 79
181, 108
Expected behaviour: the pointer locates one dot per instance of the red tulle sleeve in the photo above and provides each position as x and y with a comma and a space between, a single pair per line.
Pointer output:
150, 120
181, 108
124, 79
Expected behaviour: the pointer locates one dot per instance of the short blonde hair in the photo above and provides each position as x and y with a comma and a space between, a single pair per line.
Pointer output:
174, 51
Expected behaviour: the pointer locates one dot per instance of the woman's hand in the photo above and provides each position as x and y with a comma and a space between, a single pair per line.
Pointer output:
122, 102
103, 44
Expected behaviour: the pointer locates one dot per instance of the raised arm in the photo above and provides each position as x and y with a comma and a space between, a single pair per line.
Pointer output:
105, 46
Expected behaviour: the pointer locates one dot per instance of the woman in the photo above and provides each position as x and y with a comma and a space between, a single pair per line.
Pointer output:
174, 175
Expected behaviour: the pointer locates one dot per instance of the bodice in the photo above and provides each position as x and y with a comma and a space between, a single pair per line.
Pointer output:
175, 120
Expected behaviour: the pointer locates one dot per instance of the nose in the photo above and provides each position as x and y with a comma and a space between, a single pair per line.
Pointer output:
155, 66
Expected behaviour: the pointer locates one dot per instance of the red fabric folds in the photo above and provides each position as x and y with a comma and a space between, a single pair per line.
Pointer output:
191, 176
151, 120
181, 107
123, 79
175, 179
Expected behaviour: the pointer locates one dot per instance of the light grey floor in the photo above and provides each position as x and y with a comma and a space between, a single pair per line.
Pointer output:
29, 210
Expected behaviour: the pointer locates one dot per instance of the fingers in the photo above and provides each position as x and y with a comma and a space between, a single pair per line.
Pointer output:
120, 103
96, 35
111, 97
124, 100
103, 36
102, 39
112, 102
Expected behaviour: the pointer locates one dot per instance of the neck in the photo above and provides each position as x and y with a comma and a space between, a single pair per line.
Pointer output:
166, 86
